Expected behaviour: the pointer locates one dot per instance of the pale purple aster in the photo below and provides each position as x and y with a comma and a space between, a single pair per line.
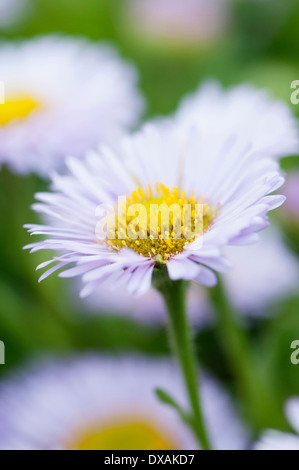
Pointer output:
278, 440
179, 20
228, 173
82, 94
46, 406
252, 113
291, 191
148, 309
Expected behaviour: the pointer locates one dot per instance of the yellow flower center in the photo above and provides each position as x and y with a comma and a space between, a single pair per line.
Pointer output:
17, 107
158, 223
123, 435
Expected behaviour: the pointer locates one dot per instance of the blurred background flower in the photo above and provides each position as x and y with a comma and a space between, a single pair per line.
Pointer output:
275, 440
242, 111
76, 405
11, 11
262, 273
291, 191
178, 22
62, 97
149, 308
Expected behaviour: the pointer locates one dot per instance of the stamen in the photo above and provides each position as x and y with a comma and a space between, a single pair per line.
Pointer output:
18, 107
179, 220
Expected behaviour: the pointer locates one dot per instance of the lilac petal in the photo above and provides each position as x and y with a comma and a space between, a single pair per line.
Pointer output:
140, 280
52, 270
206, 277
182, 269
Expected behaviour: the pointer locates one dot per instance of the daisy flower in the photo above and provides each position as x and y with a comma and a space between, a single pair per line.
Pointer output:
11, 11
277, 440
219, 191
101, 403
184, 21
253, 115
62, 97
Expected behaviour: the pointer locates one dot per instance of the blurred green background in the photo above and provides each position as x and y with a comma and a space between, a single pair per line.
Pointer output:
260, 46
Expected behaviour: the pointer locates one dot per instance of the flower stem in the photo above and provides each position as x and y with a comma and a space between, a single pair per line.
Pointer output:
254, 385
174, 294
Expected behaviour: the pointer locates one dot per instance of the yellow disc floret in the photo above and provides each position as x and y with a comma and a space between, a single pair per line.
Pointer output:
17, 107
159, 222
122, 435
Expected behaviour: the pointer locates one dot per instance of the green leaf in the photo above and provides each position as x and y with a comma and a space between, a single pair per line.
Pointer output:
166, 399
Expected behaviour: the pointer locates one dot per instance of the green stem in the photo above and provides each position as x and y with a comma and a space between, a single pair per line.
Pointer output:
174, 294
253, 383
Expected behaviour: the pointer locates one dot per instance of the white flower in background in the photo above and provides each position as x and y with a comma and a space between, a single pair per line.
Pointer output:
11, 11
63, 97
149, 308
291, 191
179, 20
261, 274
246, 111
101, 403
231, 183
277, 440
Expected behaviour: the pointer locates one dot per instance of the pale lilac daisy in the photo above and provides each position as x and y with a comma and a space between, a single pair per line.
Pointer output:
250, 112
181, 21
278, 440
102, 403
62, 96
161, 164
148, 309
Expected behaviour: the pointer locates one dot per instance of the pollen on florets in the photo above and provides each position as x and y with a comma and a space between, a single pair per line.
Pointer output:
17, 107
167, 221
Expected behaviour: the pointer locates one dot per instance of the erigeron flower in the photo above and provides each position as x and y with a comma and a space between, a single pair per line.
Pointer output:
250, 113
291, 191
63, 96
180, 21
101, 403
158, 165
278, 440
